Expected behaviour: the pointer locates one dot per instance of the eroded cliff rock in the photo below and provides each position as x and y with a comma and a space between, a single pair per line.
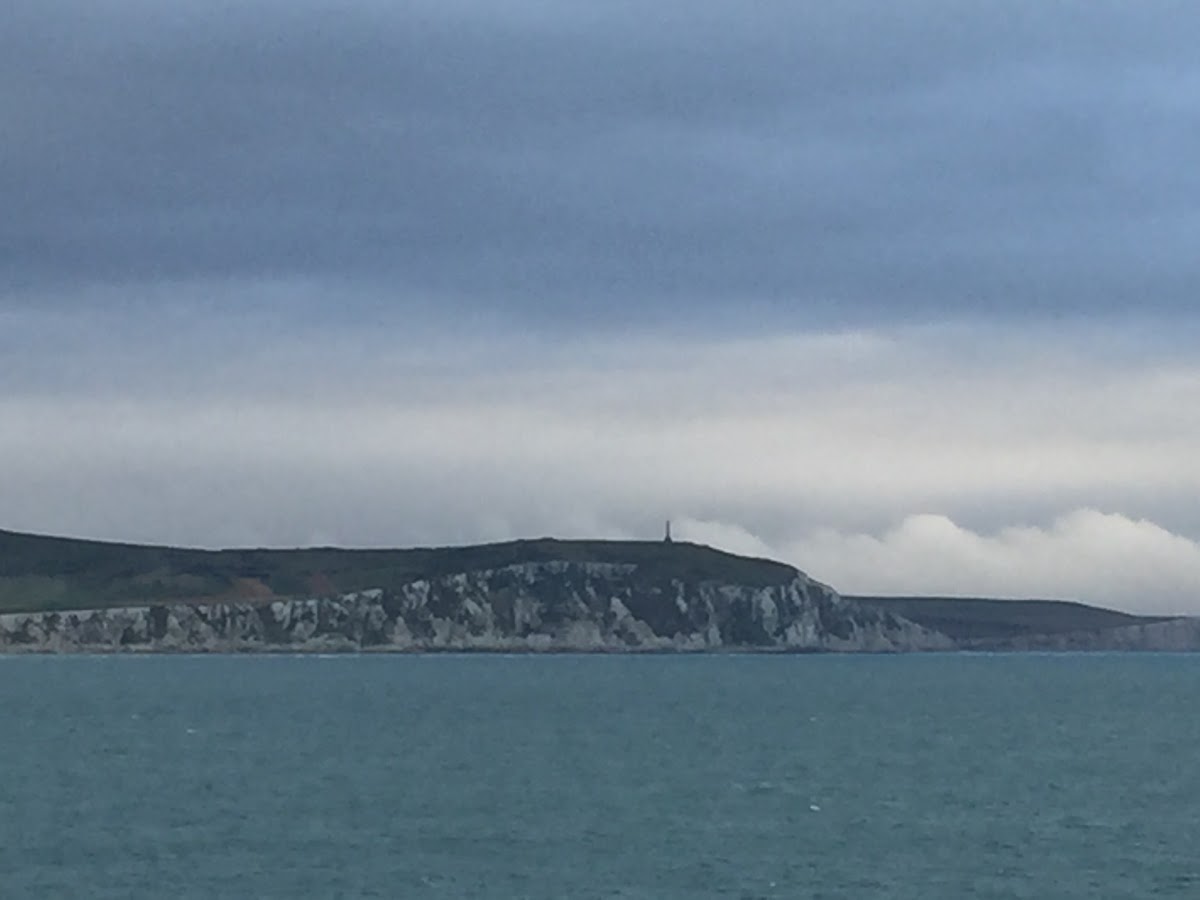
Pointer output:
545, 606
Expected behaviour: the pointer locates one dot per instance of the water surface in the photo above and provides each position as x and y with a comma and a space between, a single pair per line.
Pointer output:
947, 776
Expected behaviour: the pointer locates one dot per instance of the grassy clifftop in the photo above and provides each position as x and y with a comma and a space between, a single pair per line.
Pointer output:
45, 573
39, 573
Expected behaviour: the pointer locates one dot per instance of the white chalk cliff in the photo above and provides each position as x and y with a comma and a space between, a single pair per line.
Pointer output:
537, 606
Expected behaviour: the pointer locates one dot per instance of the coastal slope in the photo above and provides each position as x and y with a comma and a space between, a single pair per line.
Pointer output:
975, 623
542, 595
63, 594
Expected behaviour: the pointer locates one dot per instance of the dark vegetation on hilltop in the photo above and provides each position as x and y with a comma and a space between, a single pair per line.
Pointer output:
48, 573
39, 573
968, 619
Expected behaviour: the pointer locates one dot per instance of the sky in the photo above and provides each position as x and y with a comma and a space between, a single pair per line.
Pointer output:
903, 294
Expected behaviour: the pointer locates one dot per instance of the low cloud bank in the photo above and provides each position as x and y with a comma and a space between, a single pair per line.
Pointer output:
1103, 558
826, 450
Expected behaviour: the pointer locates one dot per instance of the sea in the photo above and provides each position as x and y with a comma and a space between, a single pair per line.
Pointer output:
621, 776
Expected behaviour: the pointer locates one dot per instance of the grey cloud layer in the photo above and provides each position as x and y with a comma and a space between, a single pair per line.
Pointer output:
290, 272
558, 159
943, 459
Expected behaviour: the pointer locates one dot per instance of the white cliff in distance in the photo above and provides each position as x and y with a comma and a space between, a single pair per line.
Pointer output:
534, 606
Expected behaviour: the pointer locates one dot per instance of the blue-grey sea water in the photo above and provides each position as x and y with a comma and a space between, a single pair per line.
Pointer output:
945, 776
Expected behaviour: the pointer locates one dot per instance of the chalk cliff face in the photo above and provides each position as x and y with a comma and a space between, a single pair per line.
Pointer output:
544, 606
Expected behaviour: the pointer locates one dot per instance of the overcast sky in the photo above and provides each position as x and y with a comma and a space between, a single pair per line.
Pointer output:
905, 294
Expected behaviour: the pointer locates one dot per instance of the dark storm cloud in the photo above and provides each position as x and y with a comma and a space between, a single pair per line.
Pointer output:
849, 160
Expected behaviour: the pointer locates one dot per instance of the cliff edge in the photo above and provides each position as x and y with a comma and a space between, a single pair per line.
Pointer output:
543, 596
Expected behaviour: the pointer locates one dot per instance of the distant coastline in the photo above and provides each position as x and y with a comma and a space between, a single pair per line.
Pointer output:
534, 596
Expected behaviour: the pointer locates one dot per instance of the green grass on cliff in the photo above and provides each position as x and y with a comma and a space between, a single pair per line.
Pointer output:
46, 573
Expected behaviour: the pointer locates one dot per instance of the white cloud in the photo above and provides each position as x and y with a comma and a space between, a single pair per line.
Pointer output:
811, 447
1087, 555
